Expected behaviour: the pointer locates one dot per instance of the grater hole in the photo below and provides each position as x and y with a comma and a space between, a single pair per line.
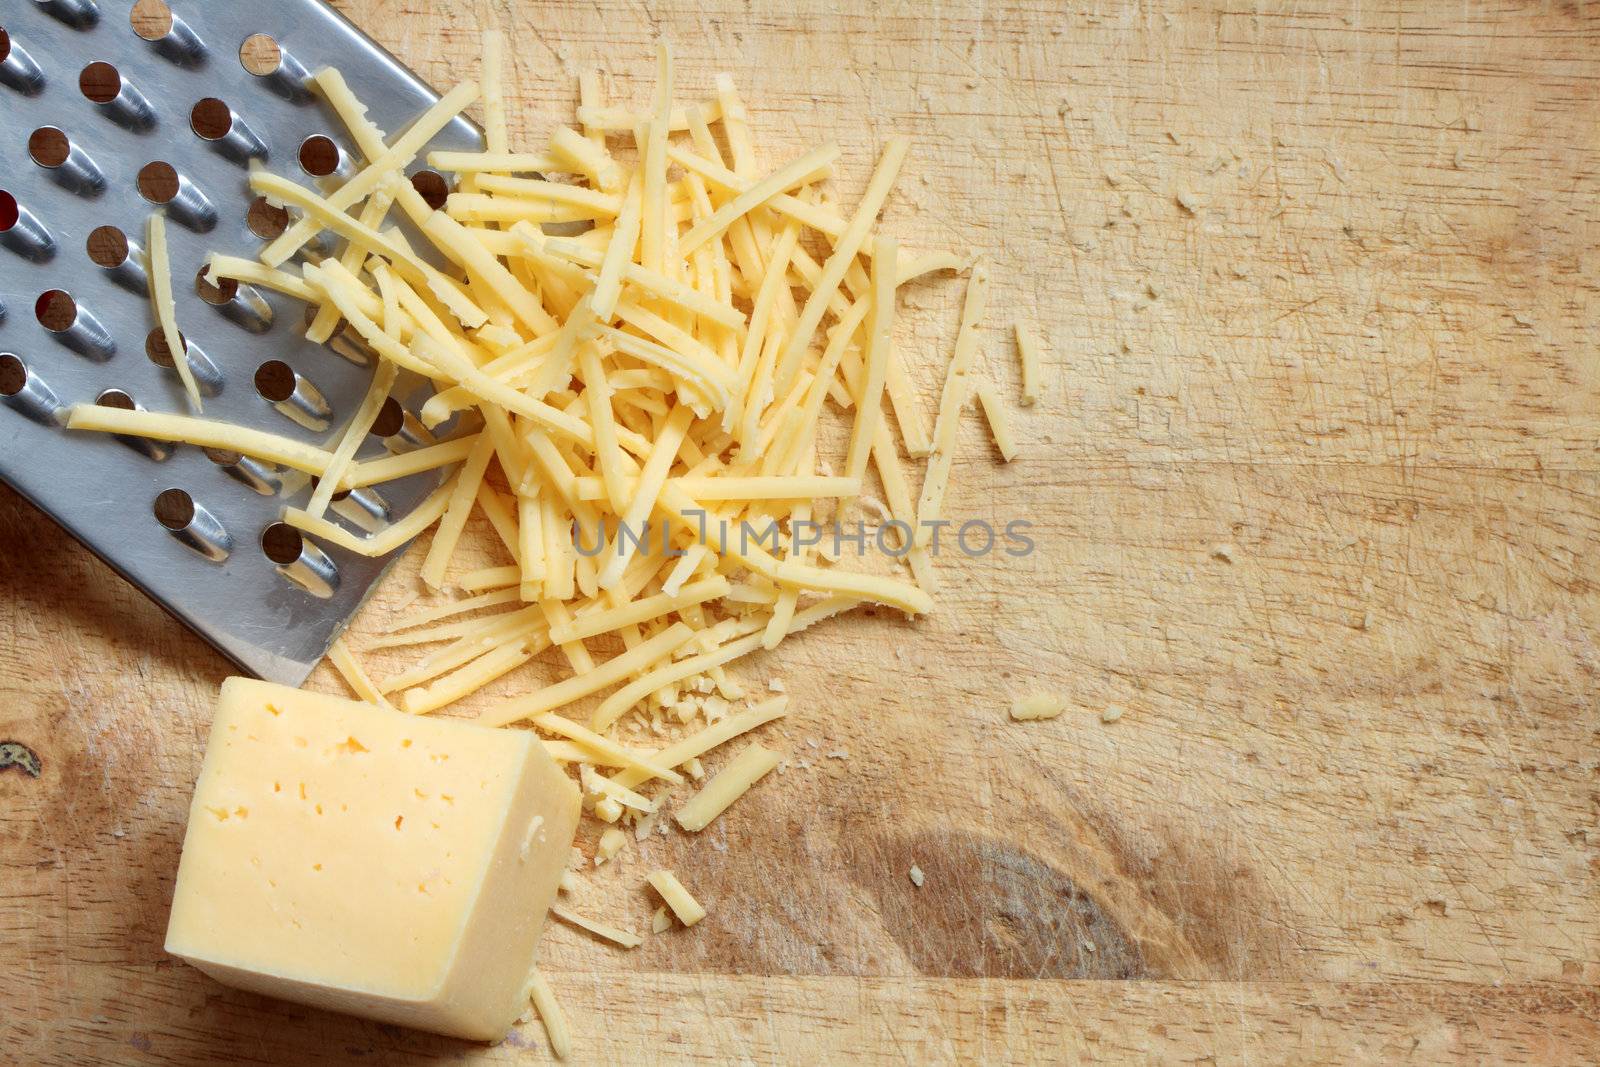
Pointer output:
5, 45
260, 55
211, 119
151, 19
9, 211
215, 295
275, 381
13, 375
432, 187
100, 82
48, 146
107, 247
265, 221
338, 497
391, 418
222, 457
158, 182
282, 543
56, 310
174, 509
319, 156
155, 346
115, 398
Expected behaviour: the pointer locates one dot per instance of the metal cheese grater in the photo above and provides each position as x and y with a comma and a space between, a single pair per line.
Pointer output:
112, 110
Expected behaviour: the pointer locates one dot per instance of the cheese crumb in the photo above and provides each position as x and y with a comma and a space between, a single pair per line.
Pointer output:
645, 824
1224, 552
1111, 714
660, 922
916, 875
611, 843
776, 685
1037, 706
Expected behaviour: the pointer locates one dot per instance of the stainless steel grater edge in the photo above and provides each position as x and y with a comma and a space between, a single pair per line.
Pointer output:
103, 125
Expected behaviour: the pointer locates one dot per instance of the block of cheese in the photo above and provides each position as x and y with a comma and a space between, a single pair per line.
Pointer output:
358, 859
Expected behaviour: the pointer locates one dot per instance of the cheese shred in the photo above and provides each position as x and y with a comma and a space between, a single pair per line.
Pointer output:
726, 786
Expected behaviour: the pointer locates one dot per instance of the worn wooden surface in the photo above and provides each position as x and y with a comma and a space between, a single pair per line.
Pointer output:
1317, 502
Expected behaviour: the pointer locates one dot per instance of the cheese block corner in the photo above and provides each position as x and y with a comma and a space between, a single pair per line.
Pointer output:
362, 860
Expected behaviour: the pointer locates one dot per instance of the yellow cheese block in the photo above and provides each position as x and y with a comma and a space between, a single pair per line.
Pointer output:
357, 859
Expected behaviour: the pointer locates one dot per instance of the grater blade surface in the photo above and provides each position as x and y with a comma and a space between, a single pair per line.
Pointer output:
193, 529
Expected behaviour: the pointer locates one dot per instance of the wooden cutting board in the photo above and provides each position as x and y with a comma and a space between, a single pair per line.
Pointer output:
1315, 496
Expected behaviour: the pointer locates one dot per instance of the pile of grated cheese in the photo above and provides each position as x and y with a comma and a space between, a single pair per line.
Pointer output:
673, 361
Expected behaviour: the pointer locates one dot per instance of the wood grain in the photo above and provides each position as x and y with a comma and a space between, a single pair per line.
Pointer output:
1316, 498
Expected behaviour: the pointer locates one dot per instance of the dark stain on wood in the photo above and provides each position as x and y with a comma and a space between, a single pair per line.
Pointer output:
987, 909
1090, 897
18, 755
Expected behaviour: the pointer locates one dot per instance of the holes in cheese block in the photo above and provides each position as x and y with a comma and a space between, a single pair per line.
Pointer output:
431, 186
265, 221
301, 561
192, 526
25, 393
260, 54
